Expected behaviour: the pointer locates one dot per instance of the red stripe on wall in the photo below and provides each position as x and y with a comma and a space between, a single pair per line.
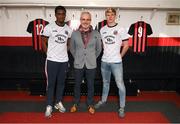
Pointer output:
166, 41
15, 41
161, 41
152, 41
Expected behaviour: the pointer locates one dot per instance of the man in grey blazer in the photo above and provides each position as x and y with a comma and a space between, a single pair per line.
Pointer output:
85, 47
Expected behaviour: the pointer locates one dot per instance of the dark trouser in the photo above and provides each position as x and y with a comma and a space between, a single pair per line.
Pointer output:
90, 76
56, 74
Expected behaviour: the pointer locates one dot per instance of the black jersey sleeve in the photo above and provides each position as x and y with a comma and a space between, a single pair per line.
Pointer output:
149, 29
30, 27
131, 29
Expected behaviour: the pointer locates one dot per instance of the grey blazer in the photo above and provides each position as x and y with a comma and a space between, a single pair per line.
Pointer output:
85, 56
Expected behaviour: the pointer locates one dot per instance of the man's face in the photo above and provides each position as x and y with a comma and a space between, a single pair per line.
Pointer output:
110, 16
60, 16
85, 20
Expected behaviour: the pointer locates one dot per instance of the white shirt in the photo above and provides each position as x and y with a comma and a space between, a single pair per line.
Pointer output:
112, 38
57, 42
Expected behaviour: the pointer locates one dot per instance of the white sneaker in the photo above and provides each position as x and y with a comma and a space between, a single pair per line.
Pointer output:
48, 111
121, 113
99, 104
60, 107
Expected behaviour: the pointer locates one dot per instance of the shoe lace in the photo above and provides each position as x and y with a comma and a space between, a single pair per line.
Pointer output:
121, 110
60, 105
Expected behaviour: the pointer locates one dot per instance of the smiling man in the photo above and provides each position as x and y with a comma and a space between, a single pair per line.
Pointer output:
85, 48
113, 37
56, 35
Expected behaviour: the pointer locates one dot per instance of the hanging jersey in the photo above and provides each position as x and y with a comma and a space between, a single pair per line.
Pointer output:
139, 30
36, 28
112, 38
57, 42
73, 24
100, 25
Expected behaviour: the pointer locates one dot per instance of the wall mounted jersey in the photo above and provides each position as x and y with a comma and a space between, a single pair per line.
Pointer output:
140, 30
100, 25
36, 27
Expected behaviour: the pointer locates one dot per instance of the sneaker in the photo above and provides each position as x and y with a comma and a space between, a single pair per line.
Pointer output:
91, 109
73, 108
121, 113
99, 104
59, 106
48, 111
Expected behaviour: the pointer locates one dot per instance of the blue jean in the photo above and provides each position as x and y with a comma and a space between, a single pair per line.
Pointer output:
90, 76
117, 70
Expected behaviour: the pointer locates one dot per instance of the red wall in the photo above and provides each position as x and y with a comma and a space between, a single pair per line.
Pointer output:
152, 41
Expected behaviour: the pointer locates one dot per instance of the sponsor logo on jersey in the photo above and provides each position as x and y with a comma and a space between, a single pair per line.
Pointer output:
60, 38
109, 39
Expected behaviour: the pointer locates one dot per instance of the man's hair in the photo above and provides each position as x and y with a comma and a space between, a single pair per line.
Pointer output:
110, 10
85, 12
60, 8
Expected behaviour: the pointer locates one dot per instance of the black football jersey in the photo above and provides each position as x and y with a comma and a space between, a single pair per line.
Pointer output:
140, 30
36, 28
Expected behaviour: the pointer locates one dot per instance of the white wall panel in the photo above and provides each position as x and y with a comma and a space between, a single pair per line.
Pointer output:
99, 3
16, 23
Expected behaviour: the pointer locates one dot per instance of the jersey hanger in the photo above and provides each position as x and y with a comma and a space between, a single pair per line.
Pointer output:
141, 18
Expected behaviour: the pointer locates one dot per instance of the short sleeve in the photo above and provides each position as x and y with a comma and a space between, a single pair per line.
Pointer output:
47, 31
124, 34
70, 33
